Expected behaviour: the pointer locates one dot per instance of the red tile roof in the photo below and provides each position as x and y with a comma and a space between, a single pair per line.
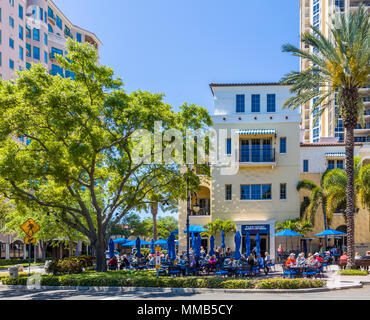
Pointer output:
248, 84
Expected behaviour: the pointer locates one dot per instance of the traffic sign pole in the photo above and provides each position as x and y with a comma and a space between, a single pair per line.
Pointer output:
29, 259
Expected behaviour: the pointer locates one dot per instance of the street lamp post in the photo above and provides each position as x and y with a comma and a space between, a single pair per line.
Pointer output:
196, 210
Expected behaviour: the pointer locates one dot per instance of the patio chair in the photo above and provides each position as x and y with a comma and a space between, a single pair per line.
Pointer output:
288, 272
310, 272
161, 272
222, 272
271, 264
243, 271
174, 271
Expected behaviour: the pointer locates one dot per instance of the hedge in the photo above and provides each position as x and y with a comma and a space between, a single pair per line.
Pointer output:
11, 262
120, 279
353, 272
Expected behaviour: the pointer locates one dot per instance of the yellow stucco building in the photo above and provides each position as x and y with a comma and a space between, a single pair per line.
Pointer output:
265, 142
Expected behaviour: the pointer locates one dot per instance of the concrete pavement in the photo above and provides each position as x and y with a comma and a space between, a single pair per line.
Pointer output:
24, 294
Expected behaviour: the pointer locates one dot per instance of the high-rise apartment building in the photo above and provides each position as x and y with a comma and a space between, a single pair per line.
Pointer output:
319, 13
33, 31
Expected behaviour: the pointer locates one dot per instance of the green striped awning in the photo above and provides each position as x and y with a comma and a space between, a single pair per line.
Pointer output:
255, 132
335, 154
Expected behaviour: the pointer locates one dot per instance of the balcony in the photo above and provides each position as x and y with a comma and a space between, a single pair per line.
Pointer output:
57, 39
203, 212
257, 156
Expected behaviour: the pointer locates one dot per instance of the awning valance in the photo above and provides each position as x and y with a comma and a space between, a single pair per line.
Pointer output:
256, 132
195, 229
336, 155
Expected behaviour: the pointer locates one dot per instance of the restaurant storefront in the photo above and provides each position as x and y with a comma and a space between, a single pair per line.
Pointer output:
265, 229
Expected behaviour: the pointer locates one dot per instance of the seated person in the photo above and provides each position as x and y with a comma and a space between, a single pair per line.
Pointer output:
251, 261
317, 257
113, 263
228, 252
260, 262
124, 262
301, 260
328, 259
267, 258
291, 261
212, 262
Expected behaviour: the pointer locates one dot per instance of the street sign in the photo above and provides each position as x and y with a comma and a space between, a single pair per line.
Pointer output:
30, 227
29, 240
157, 257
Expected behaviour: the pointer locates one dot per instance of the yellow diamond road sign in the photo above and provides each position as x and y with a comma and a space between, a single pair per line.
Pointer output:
29, 240
30, 227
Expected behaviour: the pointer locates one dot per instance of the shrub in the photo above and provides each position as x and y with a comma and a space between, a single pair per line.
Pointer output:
278, 283
353, 272
148, 279
70, 265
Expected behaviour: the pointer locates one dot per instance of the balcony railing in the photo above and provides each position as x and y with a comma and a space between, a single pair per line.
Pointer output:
250, 154
202, 213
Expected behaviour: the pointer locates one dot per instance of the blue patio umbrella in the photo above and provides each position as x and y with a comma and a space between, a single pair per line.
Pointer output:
161, 243
193, 239
152, 249
330, 232
121, 240
198, 243
258, 244
171, 247
111, 248
129, 244
248, 244
223, 245
138, 244
287, 233
212, 243
238, 241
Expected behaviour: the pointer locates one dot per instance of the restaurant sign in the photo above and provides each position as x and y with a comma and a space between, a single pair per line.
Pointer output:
256, 228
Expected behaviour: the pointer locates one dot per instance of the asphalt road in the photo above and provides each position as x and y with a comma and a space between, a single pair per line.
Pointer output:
22, 294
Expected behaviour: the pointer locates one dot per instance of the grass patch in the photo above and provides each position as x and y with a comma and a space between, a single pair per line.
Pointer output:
353, 272
149, 279
13, 262
23, 264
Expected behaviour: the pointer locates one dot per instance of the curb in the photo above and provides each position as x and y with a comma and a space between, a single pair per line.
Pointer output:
183, 290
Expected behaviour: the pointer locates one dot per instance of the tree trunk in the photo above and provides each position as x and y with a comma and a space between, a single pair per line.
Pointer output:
43, 246
154, 211
350, 194
350, 114
70, 245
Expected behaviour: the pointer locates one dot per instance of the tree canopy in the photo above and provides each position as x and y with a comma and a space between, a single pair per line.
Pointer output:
66, 146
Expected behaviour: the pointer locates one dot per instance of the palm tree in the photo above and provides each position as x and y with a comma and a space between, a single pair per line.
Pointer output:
295, 225
318, 196
338, 69
228, 226
334, 184
218, 225
212, 228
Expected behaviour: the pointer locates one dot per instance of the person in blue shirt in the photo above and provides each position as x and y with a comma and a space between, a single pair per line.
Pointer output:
260, 262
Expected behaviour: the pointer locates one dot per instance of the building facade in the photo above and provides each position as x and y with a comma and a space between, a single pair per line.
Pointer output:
33, 31
316, 159
263, 190
319, 13
271, 159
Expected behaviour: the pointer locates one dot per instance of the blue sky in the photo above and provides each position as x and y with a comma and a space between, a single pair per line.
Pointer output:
178, 47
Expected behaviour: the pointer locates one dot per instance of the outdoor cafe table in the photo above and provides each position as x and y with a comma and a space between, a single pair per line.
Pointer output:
300, 269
